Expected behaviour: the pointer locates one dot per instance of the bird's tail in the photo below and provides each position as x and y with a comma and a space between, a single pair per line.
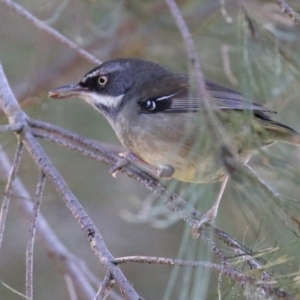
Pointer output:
291, 139
279, 131
283, 133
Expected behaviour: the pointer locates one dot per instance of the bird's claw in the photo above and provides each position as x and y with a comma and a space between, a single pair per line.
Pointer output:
166, 171
207, 217
117, 167
196, 227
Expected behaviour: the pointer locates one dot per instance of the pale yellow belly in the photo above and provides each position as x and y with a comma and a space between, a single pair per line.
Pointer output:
193, 154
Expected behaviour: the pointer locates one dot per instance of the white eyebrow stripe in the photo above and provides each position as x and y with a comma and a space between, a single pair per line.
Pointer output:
93, 74
165, 97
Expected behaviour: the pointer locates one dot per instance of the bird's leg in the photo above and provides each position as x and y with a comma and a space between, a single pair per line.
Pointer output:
166, 171
212, 213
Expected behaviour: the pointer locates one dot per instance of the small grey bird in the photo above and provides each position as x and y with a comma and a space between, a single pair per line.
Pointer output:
165, 125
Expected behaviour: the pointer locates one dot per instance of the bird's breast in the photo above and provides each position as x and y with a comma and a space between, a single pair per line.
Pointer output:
171, 139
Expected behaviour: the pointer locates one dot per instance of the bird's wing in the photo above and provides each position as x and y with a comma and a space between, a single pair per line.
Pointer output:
179, 101
225, 98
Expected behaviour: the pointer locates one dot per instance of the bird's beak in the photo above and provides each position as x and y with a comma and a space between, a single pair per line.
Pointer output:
67, 91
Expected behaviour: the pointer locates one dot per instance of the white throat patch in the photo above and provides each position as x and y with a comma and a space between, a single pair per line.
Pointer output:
105, 100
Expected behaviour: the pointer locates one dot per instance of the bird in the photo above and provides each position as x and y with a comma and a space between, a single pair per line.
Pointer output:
168, 128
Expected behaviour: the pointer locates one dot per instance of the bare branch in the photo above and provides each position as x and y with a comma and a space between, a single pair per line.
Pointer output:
216, 131
66, 261
49, 31
71, 287
266, 288
14, 127
227, 66
30, 245
105, 287
224, 12
190, 49
13, 290
290, 221
288, 11
8, 189
90, 231
11, 108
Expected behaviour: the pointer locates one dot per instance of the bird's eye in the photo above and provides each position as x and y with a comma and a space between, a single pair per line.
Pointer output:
102, 80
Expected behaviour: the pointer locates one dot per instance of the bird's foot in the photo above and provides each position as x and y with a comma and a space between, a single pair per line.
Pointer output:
166, 171
118, 166
207, 217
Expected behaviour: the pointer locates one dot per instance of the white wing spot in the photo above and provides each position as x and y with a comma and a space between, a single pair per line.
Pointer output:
166, 97
108, 101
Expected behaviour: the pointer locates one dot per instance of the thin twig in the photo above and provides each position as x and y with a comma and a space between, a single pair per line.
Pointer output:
50, 31
228, 271
224, 12
288, 11
93, 279
13, 290
227, 66
105, 288
66, 262
12, 109
90, 231
216, 131
220, 277
71, 287
105, 149
30, 245
190, 49
8, 189
290, 221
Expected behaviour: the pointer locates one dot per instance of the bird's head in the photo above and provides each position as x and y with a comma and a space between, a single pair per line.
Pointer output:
109, 86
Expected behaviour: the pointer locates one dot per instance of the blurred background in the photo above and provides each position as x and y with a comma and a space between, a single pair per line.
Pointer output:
250, 46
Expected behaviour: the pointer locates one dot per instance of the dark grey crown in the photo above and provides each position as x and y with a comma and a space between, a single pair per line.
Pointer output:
123, 74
